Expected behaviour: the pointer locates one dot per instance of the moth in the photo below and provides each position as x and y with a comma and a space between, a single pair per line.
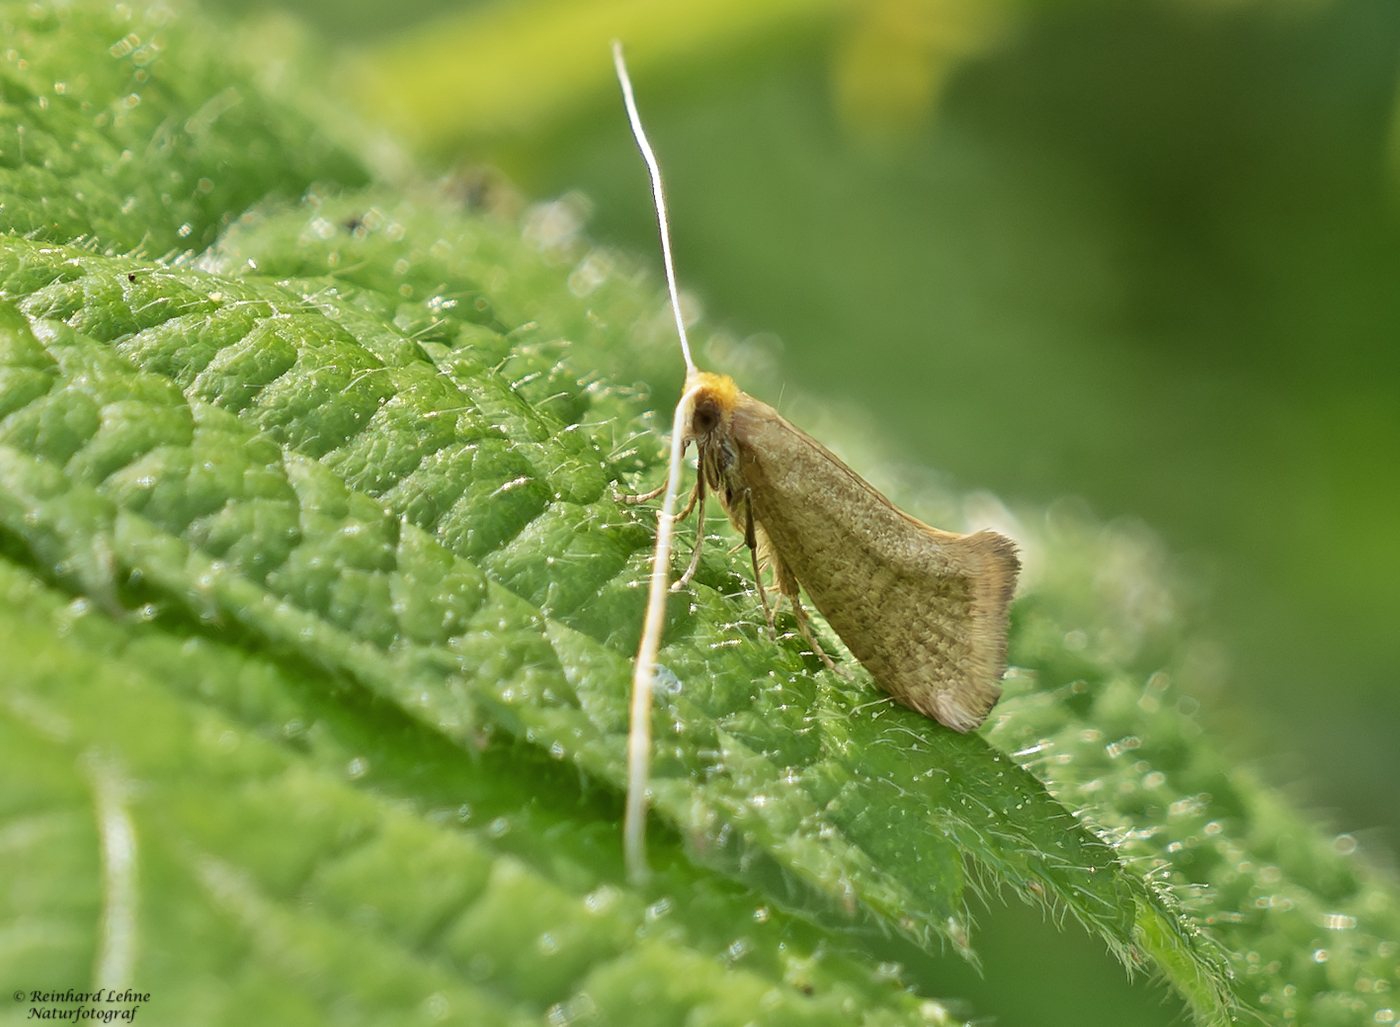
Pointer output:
923, 610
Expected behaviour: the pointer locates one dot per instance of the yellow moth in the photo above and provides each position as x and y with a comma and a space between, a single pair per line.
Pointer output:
925, 611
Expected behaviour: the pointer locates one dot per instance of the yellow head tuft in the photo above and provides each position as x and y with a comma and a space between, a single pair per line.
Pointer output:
718, 389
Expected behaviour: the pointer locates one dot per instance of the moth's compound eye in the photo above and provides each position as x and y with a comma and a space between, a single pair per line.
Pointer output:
705, 419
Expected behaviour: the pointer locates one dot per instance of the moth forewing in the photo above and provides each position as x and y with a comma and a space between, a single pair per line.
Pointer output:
925, 611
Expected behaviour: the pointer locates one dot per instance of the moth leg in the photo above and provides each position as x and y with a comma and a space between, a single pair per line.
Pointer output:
647, 497
788, 586
751, 540
698, 494
643, 497
804, 628
762, 595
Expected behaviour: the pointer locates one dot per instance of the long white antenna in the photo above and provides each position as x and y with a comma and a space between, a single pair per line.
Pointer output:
634, 841
644, 674
657, 194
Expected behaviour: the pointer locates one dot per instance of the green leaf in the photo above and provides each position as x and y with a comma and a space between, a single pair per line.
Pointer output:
319, 608
136, 129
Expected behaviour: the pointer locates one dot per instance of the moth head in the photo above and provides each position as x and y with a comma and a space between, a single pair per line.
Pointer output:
710, 399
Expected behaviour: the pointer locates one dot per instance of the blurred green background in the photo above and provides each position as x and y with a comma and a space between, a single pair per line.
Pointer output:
1144, 253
